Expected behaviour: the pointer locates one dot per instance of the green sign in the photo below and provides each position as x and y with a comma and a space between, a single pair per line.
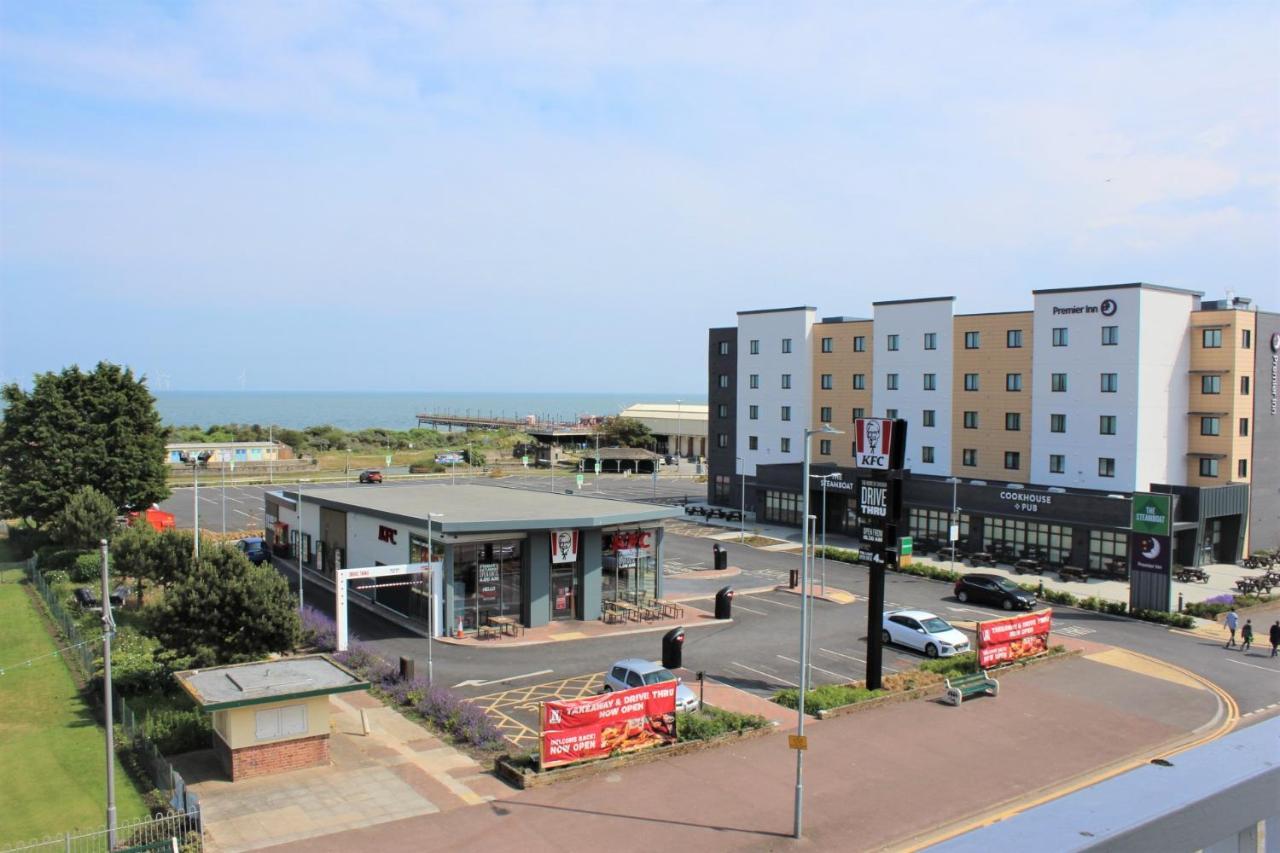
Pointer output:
904, 550
1152, 513
525, 460
388, 457
599, 468
579, 478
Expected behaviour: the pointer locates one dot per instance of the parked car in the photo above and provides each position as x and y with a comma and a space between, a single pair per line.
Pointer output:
634, 672
255, 548
371, 476
85, 598
994, 590
923, 631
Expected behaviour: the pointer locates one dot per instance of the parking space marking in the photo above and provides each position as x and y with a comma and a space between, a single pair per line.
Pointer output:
843, 655
764, 600
768, 675
749, 610
840, 675
1254, 665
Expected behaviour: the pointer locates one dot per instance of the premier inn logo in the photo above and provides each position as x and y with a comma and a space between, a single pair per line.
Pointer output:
1151, 514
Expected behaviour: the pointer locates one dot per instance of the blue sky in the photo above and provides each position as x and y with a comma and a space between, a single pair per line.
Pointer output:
560, 196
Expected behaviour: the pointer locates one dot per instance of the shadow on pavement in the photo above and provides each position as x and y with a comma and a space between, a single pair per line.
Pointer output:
502, 809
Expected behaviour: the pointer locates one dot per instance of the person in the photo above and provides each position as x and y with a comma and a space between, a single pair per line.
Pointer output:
1275, 638
1230, 622
1246, 635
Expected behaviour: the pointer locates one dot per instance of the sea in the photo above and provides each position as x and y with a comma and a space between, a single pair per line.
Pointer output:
354, 410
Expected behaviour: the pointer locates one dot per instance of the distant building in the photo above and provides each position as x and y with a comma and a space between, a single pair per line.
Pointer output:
224, 452
680, 428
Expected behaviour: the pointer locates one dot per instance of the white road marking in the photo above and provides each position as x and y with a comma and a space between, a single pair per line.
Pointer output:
818, 668
843, 655
242, 512
749, 610
768, 675
1254, 665
966, 610
477, 683
771, 601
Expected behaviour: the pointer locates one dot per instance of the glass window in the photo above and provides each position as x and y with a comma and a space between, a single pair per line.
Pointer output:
1013, 382
1211, 338
1210, 384
486, 581
629, 565
1059, 382
721, 486
1057, 463
786, 345
892, 343
1106, 466
971, 382
1109, 383
782, 507
859, 412
1244, 427
786, 381
926, 455
827, 345
859, 344
1057, 423
930, 340
753, 413
824, 414
724, 380
935, 524
785, 445
753, 442
969, 457
1106, 425
1108, 551
1013, 421
931, 382
786, 413
970, 420
724, 347
1110, 336
891, 413
1024, 538
891, 381
722, 410
1246, 338
824, 447
722, 439
755, 347
929, 417
1012, 460
1060, 337
1210, 426
826, 382
1013, 339
1244, 386
754, 380
1242, 468
859, 381
971, 340
1208, 467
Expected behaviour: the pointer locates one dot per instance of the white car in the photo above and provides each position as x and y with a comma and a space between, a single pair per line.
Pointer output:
924, 632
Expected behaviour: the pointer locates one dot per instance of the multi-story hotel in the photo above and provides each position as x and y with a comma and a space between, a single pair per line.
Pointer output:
1034, 427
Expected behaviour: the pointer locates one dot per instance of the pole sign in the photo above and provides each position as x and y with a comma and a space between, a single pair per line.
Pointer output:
905, 546
873, 438
341, 576
1151, 552
579, 479
873, 516
1151, 514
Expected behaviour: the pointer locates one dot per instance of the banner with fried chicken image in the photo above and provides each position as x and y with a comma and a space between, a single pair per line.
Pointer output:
1014, 638
600, 726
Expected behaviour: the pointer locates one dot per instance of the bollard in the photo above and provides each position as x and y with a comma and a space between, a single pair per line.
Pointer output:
1041, 593
1179, 602
406, 669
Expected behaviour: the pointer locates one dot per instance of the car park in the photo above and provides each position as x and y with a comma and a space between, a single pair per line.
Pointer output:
923, 631
636, 672
994, 590
255, 548
371, 476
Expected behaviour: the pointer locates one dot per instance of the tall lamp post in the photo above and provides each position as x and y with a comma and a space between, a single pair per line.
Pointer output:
826, 429
301, 546
431, 611
108, 631
742, 517
195, 461
834, 475
679, 411
953, 531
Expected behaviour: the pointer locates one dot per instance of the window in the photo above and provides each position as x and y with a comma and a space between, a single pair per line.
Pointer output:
827, 345
891, 381
824, 447
782, 507
1210, 384
1057, 463
1012, 421
971, 340
1013, 339
786, 345
859, 381
754, 380
755, 347
969, 457
824, 414
722, 410
1242, 468
1060, 337
929, 418
1013, 382
1246, 338
1109, 548
826, 382
859, 412
753, 412
931, 382
892, 343
1110, 336
1059, 382
724, 380
753, 442
1012, 460
930, 340
786, 413
1106, 466
1244, 386
926, 455
1109, 383
1210, 426
860, 344
970, 420
891, 414
276, 723
1106, 424
1244, 427
724, 347
721, 486
786, 381
1057, 423
722, 439
1211, 338
784, 445
971, 382
1208, 467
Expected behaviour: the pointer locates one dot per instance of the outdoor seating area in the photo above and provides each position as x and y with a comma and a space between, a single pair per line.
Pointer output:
710, 512
639, 607
1260, 584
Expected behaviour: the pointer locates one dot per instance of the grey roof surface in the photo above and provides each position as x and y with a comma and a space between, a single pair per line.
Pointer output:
481, 509
266, 681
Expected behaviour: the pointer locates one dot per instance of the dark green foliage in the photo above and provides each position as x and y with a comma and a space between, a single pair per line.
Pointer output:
172, 554
87, 518
77, 429
825, 697
711, 722
625, 432
956, 665
226, 610
178, 731
55, 558
86, 568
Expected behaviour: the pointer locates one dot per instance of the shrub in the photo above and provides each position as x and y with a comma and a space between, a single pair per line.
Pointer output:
710, 723
54, 558
319, 631
134, 669
86, 567
360, 659
56, 577
1177, 620
954, 666
827, 696
175, 731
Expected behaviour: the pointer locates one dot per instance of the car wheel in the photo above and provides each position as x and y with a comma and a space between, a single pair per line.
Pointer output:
962, 596
608, 689
1007, 604
931, 651
885, 638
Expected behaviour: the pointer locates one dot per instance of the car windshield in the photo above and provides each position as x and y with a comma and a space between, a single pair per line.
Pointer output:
658, 676
1007, 585
935, 625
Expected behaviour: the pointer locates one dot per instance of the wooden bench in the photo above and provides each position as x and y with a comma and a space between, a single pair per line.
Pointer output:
488, 632
959, 689
1071, 573
733, 515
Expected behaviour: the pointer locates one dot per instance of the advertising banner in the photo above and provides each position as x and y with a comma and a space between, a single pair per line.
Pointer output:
873, 438
564, 546
1014, 638
598, 726
488, 578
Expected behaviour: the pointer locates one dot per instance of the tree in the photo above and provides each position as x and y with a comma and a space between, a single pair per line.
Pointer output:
226, 610
172, 554
78, 429
87, 518
626, 432
134, 552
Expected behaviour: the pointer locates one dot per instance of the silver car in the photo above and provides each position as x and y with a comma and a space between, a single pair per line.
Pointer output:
634, 672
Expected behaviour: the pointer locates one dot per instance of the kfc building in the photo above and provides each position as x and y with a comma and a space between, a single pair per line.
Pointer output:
535, 557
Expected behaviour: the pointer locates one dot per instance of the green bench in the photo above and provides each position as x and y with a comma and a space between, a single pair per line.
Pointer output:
959, 689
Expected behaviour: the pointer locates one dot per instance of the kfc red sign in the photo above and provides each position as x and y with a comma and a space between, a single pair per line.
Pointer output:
386, 534
627, 540
873, 438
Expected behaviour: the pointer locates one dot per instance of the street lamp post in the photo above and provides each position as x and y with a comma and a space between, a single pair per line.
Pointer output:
431, 611
301, 547
108, 631
826, 429
194, 462
742, 515
679, 412
834, 475
223, 466
952, 525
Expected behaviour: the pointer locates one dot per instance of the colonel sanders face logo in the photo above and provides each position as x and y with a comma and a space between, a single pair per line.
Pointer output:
564, 544
873, 436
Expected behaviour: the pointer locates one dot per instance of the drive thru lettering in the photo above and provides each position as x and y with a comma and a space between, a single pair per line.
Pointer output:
875, 499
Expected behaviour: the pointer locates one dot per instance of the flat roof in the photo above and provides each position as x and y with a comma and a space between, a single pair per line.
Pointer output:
1140, 284
778, 310
482, 509
242, 684
194, 444
921, 299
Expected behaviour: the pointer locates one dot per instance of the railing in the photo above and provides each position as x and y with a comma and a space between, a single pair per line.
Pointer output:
185, 828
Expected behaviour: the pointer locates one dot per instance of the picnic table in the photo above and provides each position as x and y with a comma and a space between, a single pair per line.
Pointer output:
733, 515
950, 553
1034, 567
508, 625
1071, 573
1189, 574
1261, 584
982, 558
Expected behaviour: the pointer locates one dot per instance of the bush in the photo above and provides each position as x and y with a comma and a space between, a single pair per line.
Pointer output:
86, 567
54, 558
134, 669
710, 723
952, 667
826, 697
1211, 607
175, 731
55, 577
1176, 620
319, 631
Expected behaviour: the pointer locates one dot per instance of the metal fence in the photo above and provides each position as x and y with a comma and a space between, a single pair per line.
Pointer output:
167, 780
153, 833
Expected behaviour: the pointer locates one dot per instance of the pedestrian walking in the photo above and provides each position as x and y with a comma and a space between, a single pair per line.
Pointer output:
1246, 635
1231, 621
1275, 638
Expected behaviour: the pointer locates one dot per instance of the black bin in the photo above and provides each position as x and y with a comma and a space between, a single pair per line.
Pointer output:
795, 578
673, 648
721, 557
407, 669
724, 603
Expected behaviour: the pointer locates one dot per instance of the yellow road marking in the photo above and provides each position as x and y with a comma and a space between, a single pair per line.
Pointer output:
529, 698
1145, 666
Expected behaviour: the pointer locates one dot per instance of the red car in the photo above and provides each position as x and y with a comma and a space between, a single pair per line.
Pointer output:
371, 476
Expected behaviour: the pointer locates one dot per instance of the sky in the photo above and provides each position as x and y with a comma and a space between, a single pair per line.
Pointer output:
543, 196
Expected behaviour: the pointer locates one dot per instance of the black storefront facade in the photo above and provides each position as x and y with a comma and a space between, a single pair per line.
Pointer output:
1071, 527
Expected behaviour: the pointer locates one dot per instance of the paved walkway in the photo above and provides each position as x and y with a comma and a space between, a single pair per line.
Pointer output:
873, 779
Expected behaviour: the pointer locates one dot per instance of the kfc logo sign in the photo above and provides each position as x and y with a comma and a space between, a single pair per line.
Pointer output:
564, 546
386, 534
873, 438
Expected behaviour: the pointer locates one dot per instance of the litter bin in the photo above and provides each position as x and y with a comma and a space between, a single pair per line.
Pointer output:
795, 578
719, 557
672, 648
407, 669
724, 603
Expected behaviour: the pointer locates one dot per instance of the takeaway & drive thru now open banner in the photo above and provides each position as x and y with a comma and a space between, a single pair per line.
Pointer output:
1002, 640
598, 726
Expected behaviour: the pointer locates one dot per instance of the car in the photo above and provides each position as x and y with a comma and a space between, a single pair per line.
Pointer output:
371, 476
995, 590
255, 548
923, 631
635, 672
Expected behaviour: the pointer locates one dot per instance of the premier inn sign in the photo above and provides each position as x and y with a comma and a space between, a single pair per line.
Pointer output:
1152, 514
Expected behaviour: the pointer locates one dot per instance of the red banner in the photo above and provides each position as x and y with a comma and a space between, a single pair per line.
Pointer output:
598, 726
1002, 640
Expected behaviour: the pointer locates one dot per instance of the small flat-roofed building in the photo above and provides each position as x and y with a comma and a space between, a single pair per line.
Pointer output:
270, 716
615, 460
226, 452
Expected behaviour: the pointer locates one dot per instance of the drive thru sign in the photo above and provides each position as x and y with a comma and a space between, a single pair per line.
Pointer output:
873, 438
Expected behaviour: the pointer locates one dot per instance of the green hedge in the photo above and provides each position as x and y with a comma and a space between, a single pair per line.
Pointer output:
825, 697
956, 665
710, 722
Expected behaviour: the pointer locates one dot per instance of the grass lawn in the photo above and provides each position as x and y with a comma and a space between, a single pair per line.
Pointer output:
51, 747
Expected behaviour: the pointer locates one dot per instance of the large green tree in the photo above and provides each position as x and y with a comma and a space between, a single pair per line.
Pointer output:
226, 610
76, 429
87, 518
626, 432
